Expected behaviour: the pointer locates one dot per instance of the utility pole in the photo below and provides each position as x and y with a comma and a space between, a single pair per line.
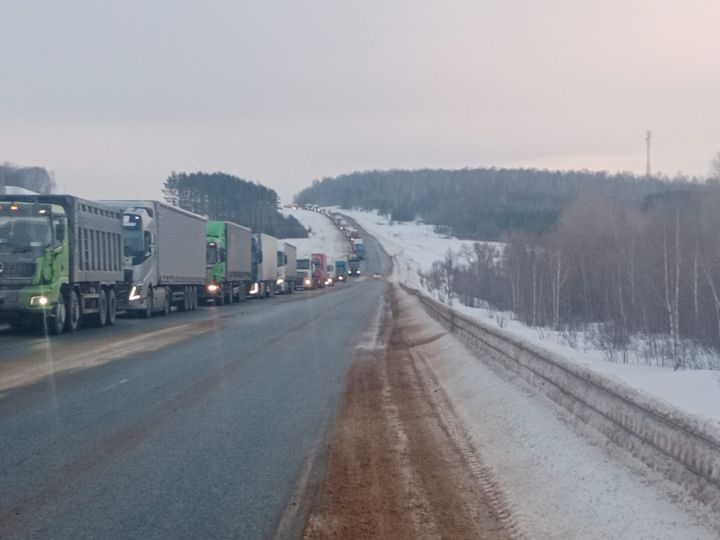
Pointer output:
647, 139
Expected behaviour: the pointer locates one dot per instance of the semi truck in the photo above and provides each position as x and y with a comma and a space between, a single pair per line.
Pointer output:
341, 269
354, 266
264, 265
61, 262
358, 248
319, 262
303, 276
164, 256
286, 268
330, 272
229, 262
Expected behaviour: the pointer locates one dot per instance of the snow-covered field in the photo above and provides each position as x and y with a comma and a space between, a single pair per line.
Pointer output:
416, 246
324, 236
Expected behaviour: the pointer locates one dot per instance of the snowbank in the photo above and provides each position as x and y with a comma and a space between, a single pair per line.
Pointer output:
553, 484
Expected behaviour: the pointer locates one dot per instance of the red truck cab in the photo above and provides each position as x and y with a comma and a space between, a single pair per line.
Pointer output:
319, 262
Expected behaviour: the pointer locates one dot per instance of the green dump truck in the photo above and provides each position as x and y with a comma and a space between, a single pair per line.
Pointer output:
61, 262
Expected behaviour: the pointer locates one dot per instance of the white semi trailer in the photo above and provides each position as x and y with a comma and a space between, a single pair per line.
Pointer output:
164, 255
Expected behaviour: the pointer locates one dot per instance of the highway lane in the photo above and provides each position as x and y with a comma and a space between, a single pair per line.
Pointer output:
200, 428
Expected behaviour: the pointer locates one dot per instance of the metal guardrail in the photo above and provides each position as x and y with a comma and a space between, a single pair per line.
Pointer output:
684, 448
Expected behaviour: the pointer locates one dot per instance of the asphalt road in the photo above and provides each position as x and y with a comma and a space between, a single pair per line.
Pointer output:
195, 425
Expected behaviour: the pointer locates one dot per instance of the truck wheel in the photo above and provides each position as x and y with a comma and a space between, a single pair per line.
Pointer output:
100, 318
185, 304
166, 303
194, 297
56, 323
149, 306
111, 307
72, 312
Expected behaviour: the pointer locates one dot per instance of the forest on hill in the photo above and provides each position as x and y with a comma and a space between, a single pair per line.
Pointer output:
36, 179
480, 204
224, 197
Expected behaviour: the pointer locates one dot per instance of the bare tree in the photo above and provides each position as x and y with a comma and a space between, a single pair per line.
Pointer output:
715, 168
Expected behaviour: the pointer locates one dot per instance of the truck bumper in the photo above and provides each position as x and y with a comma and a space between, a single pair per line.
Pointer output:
18, 304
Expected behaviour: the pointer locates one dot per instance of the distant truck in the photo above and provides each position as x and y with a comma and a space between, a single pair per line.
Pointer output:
264, 266
229, 262
303, 276
286, 269
164, 256
319, 263
354, 266
341, 269
330, 272
61, 262
358, 248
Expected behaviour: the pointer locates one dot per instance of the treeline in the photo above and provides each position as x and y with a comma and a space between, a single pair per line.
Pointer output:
650, 269
36, 179
225, 197
478, 204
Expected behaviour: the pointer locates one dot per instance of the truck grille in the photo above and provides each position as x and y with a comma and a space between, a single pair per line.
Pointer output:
16, 270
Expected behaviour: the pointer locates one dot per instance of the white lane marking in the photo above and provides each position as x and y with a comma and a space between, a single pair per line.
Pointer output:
114, 385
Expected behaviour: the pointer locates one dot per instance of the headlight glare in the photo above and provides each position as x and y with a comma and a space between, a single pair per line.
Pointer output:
135, 293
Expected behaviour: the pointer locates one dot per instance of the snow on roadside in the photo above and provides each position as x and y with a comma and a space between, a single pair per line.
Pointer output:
324, 236
554, 483
416, 246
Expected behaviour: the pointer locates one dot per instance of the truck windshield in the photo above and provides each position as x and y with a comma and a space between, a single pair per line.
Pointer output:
134, 244
25, 232
303, 264
212, 254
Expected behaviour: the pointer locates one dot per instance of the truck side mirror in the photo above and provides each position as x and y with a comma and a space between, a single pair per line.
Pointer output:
60, 232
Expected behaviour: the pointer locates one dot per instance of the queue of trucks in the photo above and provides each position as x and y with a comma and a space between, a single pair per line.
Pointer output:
67, 261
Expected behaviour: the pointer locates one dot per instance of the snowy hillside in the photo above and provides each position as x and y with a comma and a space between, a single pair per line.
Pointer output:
416, 246
324, 236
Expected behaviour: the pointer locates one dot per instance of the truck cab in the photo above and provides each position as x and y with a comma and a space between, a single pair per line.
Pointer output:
341, 270
303, 277
330, 272
286, 268
318, 264
354, 266
140, 266
34, 264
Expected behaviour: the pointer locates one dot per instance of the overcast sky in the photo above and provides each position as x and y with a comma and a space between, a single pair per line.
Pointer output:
113, 96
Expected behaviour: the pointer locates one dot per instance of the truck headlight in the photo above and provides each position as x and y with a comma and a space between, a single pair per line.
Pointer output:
212, 287
255, 288
135, 293
308, 282
39, 301
279, 281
